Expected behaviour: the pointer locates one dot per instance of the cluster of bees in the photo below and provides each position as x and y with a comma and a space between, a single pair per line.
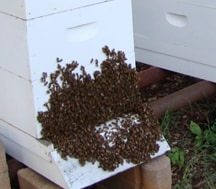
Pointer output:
80, 106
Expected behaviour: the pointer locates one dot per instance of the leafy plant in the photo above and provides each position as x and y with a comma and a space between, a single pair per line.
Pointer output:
177, 156
210, 136
196, 130
206, 138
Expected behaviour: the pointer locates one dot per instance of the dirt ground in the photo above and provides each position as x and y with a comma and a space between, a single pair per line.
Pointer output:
180, 137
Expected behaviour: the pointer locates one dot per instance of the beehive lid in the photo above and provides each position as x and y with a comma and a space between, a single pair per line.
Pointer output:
29, 9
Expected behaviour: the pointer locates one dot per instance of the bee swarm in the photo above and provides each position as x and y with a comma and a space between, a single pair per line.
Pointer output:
79, 103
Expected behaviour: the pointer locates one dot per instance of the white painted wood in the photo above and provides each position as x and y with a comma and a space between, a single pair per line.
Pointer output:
17, 103
176, 35
176, 64
46, 168
77, 176
53, 36
74, 35
13, 43
31, 47
29, 9
41, 148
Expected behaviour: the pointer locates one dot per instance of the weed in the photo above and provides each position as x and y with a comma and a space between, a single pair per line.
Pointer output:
186, 181
196, 130
168, 120
177, 156
193, 153
204, 139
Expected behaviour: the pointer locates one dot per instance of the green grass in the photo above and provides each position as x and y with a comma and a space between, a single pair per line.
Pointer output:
193, 146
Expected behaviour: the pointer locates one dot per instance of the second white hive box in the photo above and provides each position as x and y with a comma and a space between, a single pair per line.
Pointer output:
177, 35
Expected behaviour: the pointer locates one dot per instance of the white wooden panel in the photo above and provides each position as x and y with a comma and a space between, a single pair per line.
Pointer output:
17, 104
13, 45
176, 64
180, 29
77, 176
41, 147
46, 168
53, 36
28, 9
48, 40
70, 35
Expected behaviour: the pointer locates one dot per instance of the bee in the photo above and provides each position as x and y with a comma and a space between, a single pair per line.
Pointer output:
96, 62
43, 78
92, 60
59, 59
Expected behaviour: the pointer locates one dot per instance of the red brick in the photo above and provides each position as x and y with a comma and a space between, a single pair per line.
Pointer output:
132, 175
157, 173
130, 179
28, 179
13, 167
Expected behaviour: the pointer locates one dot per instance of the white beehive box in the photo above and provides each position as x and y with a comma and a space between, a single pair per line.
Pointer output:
31, 39
29, 9
177, 35
33, 34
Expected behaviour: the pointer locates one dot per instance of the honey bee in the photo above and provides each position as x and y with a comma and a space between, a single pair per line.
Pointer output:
96, 62
59, 59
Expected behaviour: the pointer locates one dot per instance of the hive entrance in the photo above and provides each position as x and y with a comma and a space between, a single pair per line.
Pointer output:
80, 106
